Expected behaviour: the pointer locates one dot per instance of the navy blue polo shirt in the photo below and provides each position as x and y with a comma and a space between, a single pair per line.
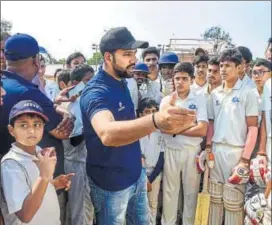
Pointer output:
18, 89
110, 168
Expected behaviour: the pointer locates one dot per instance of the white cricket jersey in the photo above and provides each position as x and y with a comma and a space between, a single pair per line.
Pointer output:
17, 183
151, 90
133, 89
229, 110
248, 81
51, 89
260, 97
151, 146
266, 106
194, 101
74, 109
207, 95
166, 87
196, 88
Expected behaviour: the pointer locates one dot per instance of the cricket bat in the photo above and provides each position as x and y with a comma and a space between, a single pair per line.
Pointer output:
268, 189
203, 201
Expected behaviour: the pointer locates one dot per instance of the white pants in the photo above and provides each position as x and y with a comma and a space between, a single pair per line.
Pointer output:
226, 158
153, 199
267, 213
268, 150
180, 161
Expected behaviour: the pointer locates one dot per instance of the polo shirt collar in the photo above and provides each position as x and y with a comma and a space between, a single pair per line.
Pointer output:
245, 77
19, 151
207, 89
196, 85
19, 78
190, 96
237, 86
111, 80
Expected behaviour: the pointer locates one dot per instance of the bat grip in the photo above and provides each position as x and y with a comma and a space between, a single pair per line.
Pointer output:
206, 178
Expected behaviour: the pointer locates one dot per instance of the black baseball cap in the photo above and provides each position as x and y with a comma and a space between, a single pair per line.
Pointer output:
120, 38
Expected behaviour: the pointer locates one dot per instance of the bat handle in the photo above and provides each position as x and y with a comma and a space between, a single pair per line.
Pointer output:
268, 189
206, 179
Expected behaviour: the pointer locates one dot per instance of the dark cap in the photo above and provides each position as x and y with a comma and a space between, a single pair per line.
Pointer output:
169, 58
141, 67
26, 106
120, 38
150, 50
198, 50
21, 46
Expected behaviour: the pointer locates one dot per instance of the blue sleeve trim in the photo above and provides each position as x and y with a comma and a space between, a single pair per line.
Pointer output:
158, 168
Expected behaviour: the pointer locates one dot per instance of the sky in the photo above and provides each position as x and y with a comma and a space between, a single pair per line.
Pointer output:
65, 27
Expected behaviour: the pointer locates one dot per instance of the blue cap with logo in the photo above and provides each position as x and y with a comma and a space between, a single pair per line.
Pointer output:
27, 106
141, 67
169, 58
21, 46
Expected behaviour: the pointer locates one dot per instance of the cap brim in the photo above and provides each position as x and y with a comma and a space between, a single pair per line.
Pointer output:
136, 44
32, 112
141, 71
167, 63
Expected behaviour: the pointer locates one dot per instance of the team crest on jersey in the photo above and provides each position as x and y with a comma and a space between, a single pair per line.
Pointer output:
217, 102
235, 99
121, 107
192, 106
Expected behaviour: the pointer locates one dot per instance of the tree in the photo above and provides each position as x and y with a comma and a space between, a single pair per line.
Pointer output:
6, 26
54, 61
217, 34
61, 61
95, 59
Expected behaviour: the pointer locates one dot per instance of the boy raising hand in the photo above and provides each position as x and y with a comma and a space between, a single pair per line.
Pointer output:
27, 170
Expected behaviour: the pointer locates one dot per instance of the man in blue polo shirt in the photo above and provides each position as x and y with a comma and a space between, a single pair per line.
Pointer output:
21, 52
117, 180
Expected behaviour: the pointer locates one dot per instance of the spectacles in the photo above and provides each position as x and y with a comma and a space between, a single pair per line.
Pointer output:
259, 72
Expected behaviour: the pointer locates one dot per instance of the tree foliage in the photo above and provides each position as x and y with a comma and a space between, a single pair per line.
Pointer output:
95, 59
61, 61
217, 34
6, 26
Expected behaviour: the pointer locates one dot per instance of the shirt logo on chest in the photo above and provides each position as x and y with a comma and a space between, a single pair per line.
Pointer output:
217, 102
192, 106
235, 99
121, 107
